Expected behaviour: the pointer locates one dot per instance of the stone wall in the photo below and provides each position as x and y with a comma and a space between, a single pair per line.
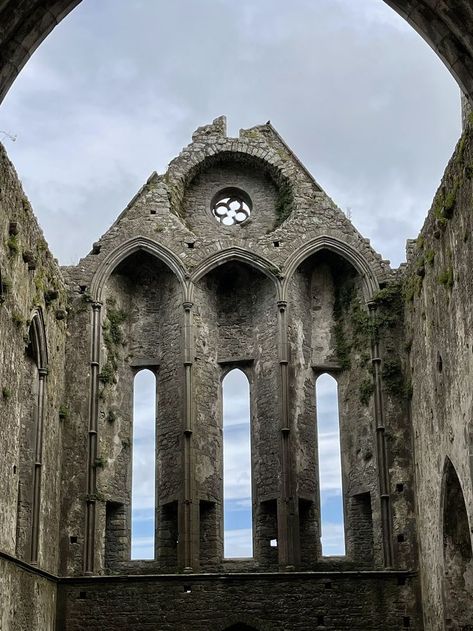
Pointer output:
269, 602
33, 308
438, 291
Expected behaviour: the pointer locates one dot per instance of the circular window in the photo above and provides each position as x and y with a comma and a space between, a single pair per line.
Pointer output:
231, 206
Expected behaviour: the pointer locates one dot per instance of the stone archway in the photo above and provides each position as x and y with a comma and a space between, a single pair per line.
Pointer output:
457, 554
446, 26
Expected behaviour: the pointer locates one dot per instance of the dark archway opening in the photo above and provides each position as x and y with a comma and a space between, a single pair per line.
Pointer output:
457, 554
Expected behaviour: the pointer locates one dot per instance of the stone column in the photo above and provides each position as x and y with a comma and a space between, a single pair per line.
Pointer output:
91, 496
38, 465
288, 513
382, 459
188, 517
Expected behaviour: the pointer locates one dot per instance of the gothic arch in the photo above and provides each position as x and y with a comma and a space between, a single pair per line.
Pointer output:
243, 256
37, 336
457, 552
344, 250
127, 248
445, 26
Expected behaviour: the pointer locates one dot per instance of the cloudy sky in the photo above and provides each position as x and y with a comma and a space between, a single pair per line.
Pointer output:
117, 89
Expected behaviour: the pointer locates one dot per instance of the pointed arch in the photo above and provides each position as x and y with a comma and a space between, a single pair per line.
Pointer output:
457, 551
242, 256
344, 250
127, 248
37, 339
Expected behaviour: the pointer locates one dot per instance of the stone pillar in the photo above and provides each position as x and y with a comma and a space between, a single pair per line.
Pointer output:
188, 517
382, 459
288, 513
91, 495
38, 464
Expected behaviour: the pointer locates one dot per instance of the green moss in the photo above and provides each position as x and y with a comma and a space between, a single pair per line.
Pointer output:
366, 391
113, 338
113, 334
100, 462
17, 319
107, 374
13, 244
446, 277
63, 412
412, 287
393, 377
6, 394
420, 242
284, 204
429, 256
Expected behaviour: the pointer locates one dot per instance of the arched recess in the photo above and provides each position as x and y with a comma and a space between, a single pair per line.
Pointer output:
140, 328
31, 442
237, 255
329, 332
237, 465
125, 250
345, 251
235, 323
457, 553
445, 26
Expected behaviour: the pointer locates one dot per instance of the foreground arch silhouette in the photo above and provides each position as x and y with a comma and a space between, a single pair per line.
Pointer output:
445, 26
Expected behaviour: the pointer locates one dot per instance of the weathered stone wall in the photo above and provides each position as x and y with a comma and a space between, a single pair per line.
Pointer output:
439, 317
27, 600
31, 286
298, 602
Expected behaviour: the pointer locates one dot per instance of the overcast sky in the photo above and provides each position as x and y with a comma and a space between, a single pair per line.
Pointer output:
117, 89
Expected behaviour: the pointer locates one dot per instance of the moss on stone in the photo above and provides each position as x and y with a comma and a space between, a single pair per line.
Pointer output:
446, 277
366, 391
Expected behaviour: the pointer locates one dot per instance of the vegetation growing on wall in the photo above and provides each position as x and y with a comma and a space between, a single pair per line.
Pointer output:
113, 338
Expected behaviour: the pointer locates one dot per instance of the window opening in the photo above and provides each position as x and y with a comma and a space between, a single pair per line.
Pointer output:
330, 469
143, 493
231, 206
237, 496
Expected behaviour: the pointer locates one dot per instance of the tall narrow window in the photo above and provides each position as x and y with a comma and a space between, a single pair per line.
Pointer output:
330, 470
143, 494
237, 498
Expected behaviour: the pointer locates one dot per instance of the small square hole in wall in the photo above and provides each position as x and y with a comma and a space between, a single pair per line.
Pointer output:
73, 539
190, 244
82, 288
406, 622
401, 580
400, 487
152, 211
276, 244
401, 538
82, 595
328, 585
187, 589
14, 468
273, 543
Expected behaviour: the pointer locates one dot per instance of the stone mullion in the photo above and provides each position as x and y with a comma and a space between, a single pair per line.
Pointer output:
188, 506
288, 549
38, 465
383, 465
91, 499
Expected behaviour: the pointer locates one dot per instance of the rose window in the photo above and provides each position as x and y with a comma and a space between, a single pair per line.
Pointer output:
231, 207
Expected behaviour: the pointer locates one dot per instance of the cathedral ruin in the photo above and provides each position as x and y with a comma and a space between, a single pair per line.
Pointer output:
236, 258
